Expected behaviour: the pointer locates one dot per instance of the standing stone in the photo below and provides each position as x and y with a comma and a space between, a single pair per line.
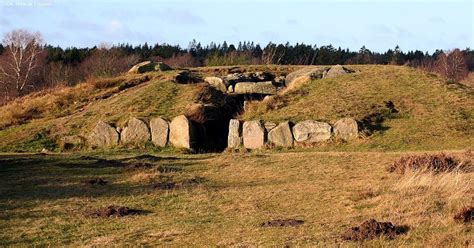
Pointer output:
182, 132
310, 131
234, 139
216, 83
253, 134
346, 129
159, 131
281, 135
103, 135
136, 132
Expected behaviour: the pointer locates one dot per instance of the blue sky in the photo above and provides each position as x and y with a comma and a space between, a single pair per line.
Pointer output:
423, 25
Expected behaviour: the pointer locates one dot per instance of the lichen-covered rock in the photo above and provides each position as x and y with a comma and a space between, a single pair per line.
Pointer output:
160, 66
136, 132
103, 135
216, 83
346, 129
266, 88
310, 131
335, 71
143, 67
159, 128
307, 72
234, 139
182, 132
281, 135
253, 134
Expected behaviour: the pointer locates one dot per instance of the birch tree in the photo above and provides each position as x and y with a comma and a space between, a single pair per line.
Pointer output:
21, 60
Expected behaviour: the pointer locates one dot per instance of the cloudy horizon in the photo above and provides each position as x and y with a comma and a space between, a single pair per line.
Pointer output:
418, 25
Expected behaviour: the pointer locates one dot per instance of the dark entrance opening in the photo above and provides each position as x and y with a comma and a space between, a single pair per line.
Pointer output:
211, 117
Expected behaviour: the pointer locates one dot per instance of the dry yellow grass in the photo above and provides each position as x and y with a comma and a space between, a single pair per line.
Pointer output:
43, 199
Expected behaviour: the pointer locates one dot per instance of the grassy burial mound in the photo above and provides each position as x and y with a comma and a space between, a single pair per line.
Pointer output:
38, 121
398, 108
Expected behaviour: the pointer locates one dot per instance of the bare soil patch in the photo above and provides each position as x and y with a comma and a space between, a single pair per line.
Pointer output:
282, 223
114, 211
373, 229
465, 215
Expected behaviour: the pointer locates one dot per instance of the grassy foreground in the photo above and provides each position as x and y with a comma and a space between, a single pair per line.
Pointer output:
43, 199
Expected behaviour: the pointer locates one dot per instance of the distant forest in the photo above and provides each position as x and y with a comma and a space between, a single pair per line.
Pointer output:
56, 66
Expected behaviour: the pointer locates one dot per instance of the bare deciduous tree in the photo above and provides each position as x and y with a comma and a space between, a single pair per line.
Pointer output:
22, 49
452, 65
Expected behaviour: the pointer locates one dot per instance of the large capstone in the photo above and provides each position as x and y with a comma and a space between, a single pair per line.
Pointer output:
148, 66
281, 135
234, 139
159, 131
182, 132
142, 67
265, 88
310, 131
136, 132
346, 129
335, 71
307, 72
216, 83
253, 134
103, 135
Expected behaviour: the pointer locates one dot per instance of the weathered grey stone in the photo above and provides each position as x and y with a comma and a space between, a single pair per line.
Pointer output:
182, 132
160, 66
159, 128
136, 132
217, 83
266, 88
269, 126
261, 76
281, 135
103, 135
234, 139
310, 131
234, 78
346, 129
143, 67
253, 134
309, 72
335, 71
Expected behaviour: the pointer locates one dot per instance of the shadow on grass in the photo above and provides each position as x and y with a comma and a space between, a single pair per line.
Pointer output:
51, 177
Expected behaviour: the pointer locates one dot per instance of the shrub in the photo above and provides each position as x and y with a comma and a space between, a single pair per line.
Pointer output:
426, 162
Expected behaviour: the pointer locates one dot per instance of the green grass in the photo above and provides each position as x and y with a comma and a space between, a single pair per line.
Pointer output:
43, 199
432, 114
79, 114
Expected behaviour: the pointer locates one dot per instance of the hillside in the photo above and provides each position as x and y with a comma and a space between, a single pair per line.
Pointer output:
431, 114
40, 121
